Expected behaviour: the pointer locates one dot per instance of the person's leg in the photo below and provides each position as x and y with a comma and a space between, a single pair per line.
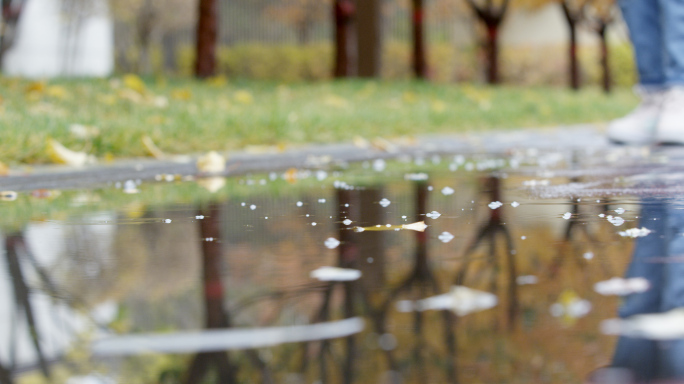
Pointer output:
641, 355
671, 122
672, 22
672, 352
643, 21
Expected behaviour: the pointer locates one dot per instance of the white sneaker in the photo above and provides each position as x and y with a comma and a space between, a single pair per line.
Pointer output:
670, 128
639, 127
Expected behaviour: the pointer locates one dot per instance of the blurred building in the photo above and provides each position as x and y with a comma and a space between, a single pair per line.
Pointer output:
62, 38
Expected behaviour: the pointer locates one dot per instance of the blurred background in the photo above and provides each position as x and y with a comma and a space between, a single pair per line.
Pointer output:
531, 42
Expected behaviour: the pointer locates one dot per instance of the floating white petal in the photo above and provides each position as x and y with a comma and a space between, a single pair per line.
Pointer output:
461, 300
567, 215
332, 243
616, 221
445, 237
335, 274
515, 204
433, 215
446, 191
495, 204
526, 280
635, 232
658, 326
619, 286
385, 203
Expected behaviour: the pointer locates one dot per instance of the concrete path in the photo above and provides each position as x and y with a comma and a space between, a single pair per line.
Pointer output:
311, 156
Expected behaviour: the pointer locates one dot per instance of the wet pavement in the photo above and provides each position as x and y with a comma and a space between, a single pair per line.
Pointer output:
528, 257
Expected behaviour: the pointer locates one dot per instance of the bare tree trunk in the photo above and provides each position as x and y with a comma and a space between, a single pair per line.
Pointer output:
369, 37
304, 31
10, 18
207, 33
492, 52
145, 26
419, 63
605, 65
343, 13
572, 19
170, 50
491, 17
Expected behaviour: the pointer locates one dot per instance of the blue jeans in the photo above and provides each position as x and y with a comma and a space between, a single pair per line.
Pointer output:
659, 258
656, 28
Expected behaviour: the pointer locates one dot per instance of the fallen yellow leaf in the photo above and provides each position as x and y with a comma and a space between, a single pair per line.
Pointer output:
4, 169
134, 82
63, 155
181, 94
35, 87
243, 97
57, 91
151, 148
217, 81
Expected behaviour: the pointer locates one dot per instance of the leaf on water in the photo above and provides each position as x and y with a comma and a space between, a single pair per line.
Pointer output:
151, 148
212, 162
418, 226
291, 175
63, 155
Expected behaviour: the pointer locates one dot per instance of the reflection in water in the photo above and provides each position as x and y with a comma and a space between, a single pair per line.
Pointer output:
224, 339
495, 227
655, 314
239, 289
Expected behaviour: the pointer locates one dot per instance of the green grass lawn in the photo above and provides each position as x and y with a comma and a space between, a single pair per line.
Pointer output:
189, 116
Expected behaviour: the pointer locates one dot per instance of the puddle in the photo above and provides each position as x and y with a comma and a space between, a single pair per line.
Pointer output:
520, 268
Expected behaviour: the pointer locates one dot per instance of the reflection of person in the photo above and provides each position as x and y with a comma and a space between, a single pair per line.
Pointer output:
657, 257
657, 33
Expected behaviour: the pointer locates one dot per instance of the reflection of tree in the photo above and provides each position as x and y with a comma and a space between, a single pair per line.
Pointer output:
214, 312
13, 244
215, 316
354, 252
420, 282
495, 227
